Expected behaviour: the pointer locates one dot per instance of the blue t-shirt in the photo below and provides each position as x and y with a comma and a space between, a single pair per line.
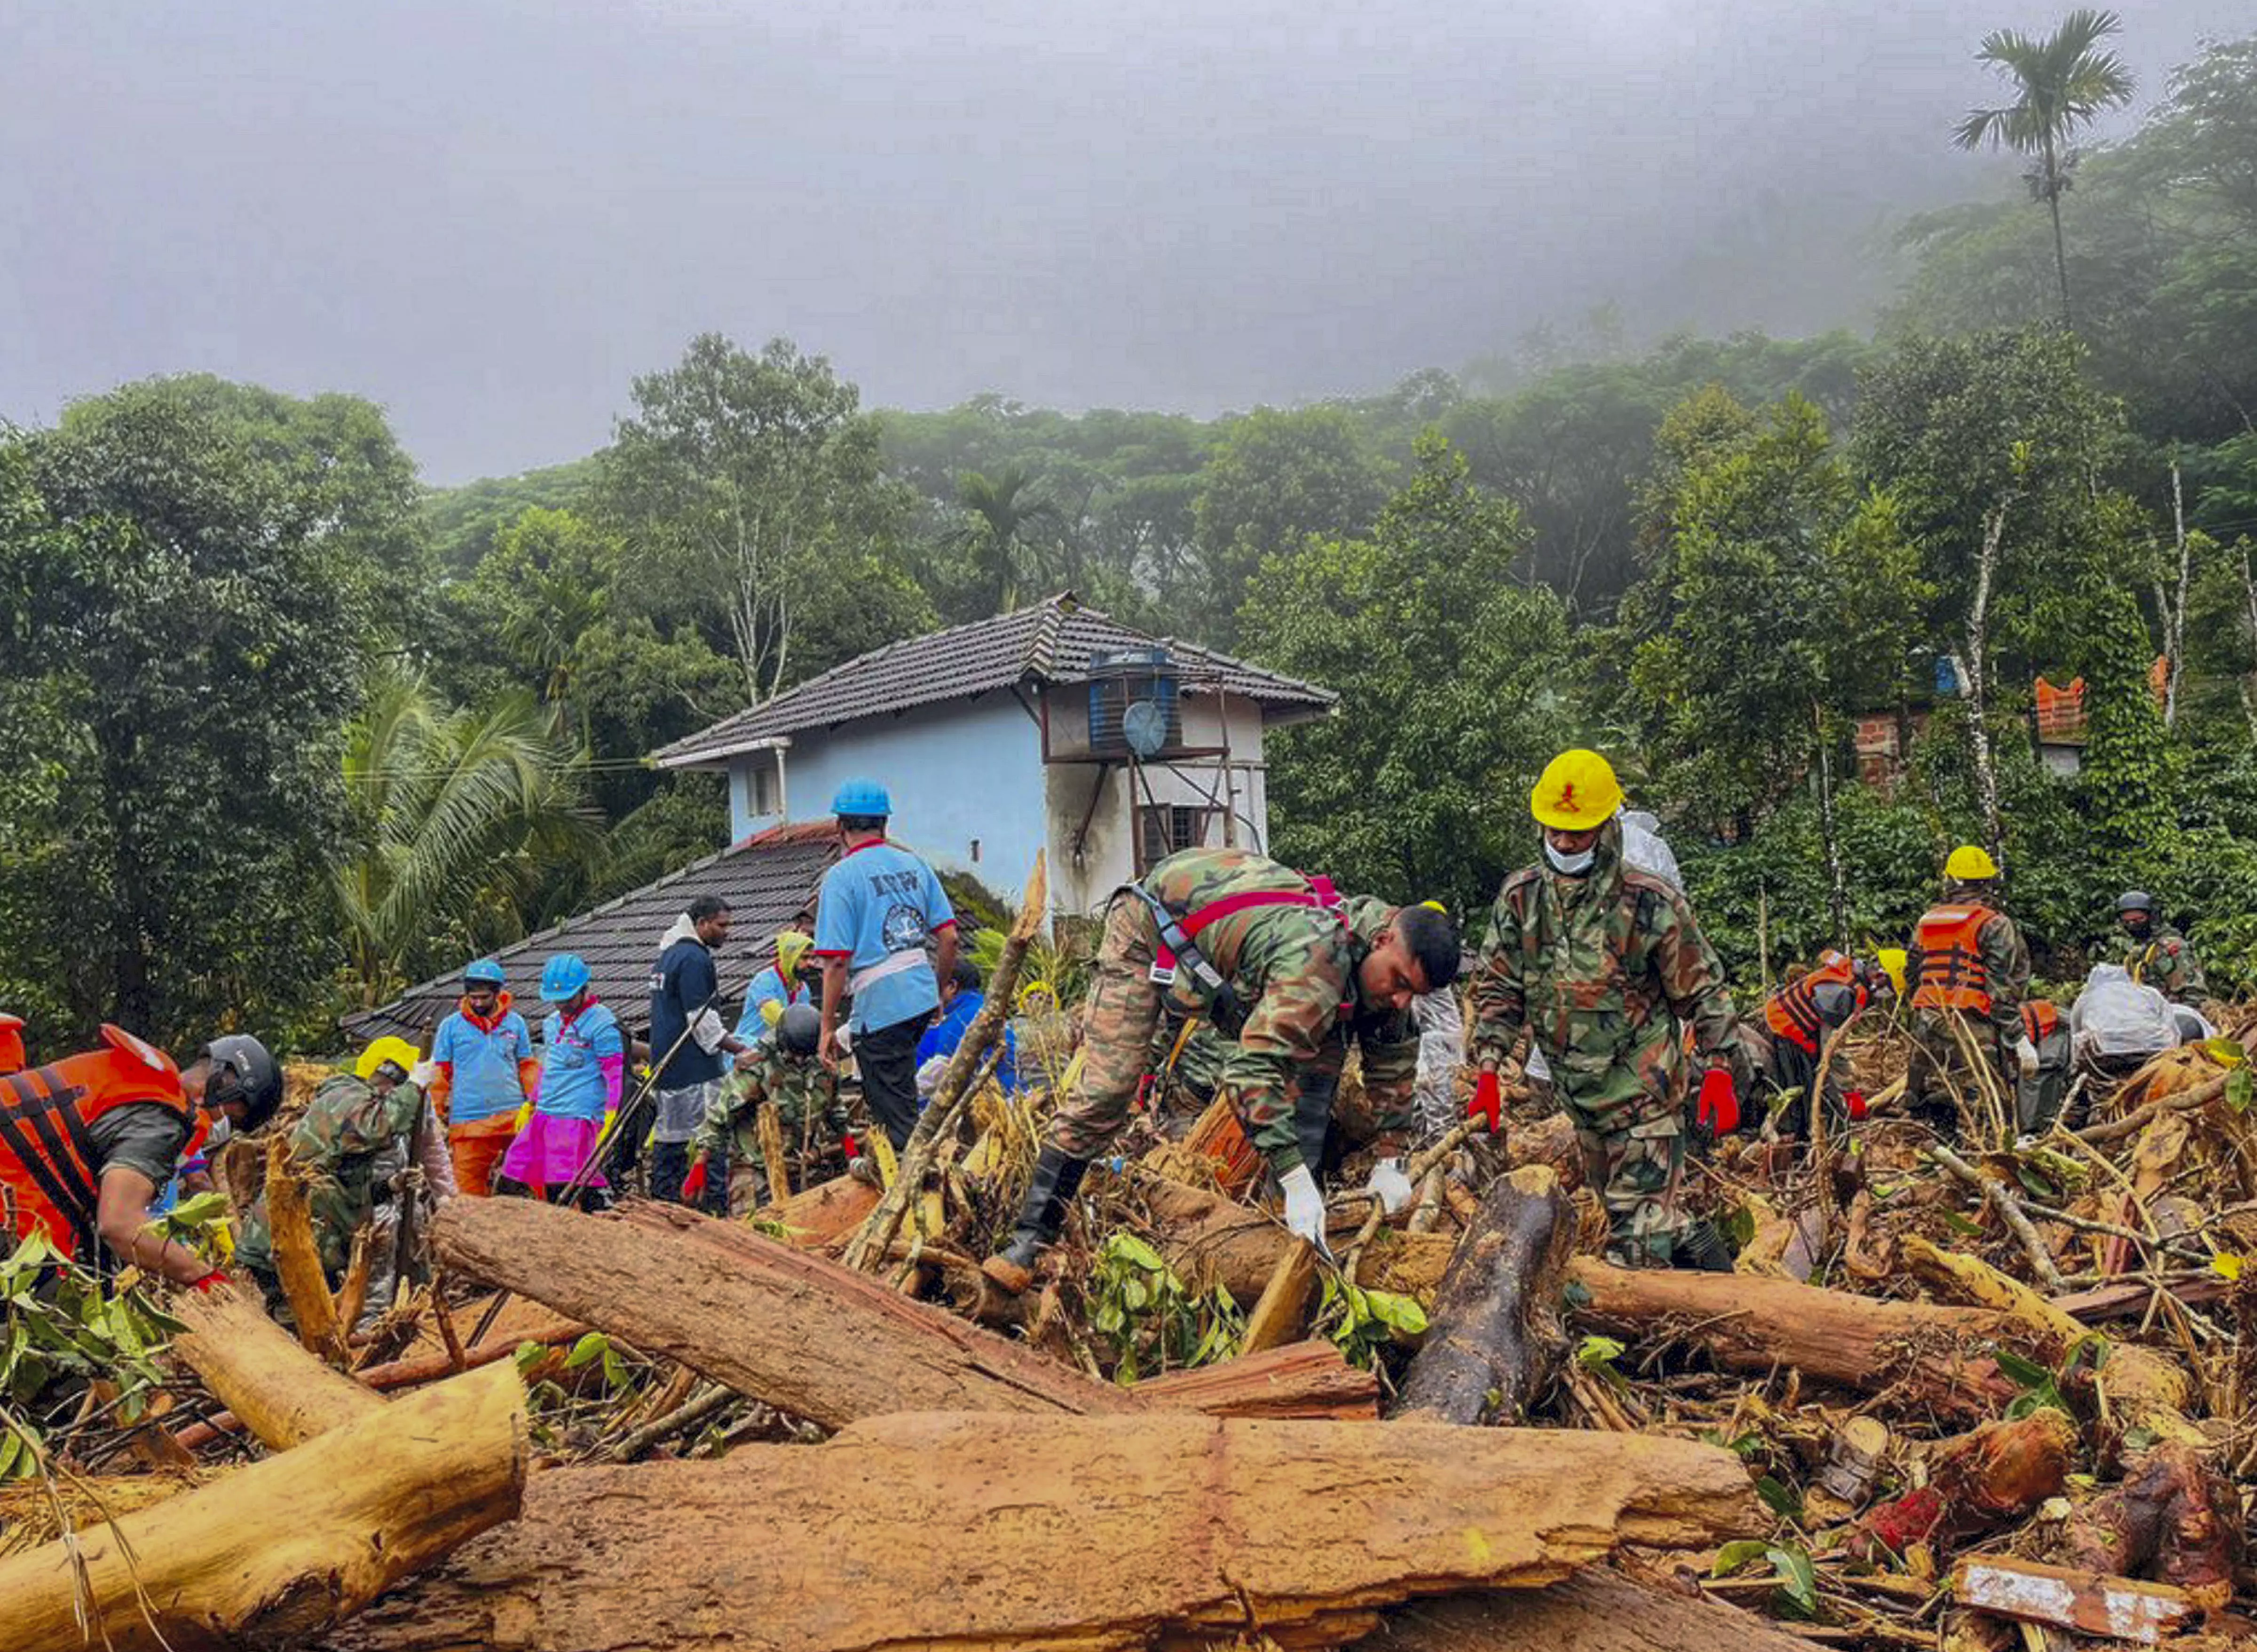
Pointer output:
767, 987
683, 984
877, 902
571, 1082
943, 1035
485, 1064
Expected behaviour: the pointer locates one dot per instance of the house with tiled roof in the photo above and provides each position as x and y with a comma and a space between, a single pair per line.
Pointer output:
1054, 727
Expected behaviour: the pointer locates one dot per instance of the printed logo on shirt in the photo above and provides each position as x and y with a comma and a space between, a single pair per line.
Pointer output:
904, 929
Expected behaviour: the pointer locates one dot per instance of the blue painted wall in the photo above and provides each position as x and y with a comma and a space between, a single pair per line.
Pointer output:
966, 770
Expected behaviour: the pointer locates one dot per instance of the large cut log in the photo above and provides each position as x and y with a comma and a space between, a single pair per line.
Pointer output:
830, 1211
1591, 1612
1494, 1332
2174, 1518
1210, 1240
282, 1392
271, 1555
1308, 1380
779, 1324
1098, 1535
1938, 1357
2120, 1608
297, 1256
1975, 1483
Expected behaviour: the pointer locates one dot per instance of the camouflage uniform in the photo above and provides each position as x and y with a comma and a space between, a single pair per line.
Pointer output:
2164, 962
1293, 969
802, 1090
1600, 968
350, 1144
1937, 1063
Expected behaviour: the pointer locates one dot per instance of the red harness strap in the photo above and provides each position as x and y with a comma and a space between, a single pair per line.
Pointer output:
1321, 894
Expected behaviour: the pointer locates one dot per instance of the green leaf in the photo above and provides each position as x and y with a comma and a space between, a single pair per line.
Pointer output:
1594, 1351
1734, 1555
1798, 1578
592, 1347
1397, 1311
527, 1355
615, 1370
2024, 1372
199, 1210
2225, 1052
1577, 1295
2238, 1089
2034, 1183
1781, 1499
1129, 1248
1960, 1225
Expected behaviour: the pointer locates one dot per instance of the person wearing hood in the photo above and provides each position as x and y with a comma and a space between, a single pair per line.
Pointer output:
791, 979
1968, 965
484, 1071
2159, 956
1287, 969
1599, 960
689, 1042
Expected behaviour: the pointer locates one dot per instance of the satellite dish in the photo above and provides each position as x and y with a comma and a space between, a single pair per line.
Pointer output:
1144, 728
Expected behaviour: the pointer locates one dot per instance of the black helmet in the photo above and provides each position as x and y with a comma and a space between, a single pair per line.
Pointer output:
2135, 900
243, 1070
800, 1028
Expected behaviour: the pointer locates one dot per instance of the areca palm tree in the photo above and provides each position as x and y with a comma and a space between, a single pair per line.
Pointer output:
455, 813
1003, 508
2065, 81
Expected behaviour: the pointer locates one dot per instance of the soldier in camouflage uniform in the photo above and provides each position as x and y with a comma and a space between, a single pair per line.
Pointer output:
1599, 960
352, 1146
2159, 956
1967, 965
788, 1075
1284, 968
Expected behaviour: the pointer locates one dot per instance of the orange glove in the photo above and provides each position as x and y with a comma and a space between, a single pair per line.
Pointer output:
693, 1185
1489, 1102
1720, 1102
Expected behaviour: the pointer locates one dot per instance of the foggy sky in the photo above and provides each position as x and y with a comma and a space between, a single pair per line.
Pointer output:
489, 215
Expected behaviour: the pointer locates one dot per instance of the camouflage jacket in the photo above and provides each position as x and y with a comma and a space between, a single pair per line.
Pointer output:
2005, 961
1599, 969
799, 1086
2164, 962
1293, 971
347, 1146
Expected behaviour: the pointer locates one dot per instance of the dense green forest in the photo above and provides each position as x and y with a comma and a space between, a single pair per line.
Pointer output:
284, 730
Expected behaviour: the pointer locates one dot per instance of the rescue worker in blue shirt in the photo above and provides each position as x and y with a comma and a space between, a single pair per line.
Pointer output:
788, 981
878, 907
964, 1000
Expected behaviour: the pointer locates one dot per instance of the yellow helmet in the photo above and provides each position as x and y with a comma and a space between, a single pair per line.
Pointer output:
1894, 960
1970, 863
1578, 791
398, 1051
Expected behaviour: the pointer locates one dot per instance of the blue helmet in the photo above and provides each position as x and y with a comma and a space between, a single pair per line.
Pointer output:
562, 976
488, 970
862, 798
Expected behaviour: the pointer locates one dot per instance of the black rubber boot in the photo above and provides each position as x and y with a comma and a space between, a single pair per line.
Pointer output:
1057, 1178
1702, 1247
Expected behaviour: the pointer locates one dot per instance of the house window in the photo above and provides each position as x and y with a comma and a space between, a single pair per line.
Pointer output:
766, 785
1163, 828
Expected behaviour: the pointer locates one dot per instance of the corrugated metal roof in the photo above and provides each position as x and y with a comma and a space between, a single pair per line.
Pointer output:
1050, 643
766, 880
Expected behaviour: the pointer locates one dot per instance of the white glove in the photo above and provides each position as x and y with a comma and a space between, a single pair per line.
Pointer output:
1304, 1208
2027, 1053
1390, 1184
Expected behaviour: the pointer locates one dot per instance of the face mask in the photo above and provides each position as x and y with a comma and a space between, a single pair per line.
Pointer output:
1570, 865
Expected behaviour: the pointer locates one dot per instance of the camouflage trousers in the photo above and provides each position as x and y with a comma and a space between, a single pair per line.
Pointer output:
1634, 1159
1123, 1010
1939, 1066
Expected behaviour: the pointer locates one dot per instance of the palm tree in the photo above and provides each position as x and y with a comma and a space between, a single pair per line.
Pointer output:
454, 814
1004, 506
2065, 82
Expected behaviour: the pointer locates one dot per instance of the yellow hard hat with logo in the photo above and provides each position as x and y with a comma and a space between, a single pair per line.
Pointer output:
398, 1051
1894, 960
1970, 863
1578, 791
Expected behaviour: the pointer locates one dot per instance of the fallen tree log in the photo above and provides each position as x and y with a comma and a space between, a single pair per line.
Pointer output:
827, 1212
1494, 1332
273, 1554
2174, 1518
775, 1323
1307, 1380
1101, 1534
298, 1257
2121, 1608
282, 1392
1746, 1322
1211, 1241
1591, 1612
1975, 1483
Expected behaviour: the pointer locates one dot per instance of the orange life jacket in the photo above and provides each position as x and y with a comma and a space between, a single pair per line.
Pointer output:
49, 1170
1951, 974
2041, 1020
1792, 1012
11, 1043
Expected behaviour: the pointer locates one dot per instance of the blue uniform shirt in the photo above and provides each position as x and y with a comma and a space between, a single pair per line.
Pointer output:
571, 1082
877, 902
767, 987
943, 1035
485, 1064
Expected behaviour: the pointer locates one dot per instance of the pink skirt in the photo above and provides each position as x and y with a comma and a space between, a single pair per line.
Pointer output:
549, 1151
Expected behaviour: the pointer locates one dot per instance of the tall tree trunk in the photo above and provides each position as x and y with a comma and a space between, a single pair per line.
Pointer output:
2175, 616
1972, 664
2054, 186
1838, 891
